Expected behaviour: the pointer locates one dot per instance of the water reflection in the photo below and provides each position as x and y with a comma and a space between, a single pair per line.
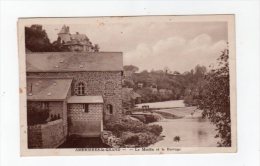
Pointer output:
192, 132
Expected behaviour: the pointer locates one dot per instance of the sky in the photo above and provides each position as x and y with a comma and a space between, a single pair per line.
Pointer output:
179, 46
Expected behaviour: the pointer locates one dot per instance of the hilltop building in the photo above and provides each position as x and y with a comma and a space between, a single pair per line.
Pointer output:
76, 42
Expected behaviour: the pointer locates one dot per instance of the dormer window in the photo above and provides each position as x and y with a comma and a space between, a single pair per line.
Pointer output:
80, 88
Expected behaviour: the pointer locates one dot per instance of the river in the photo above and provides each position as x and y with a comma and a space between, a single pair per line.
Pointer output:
164, 104
192, 130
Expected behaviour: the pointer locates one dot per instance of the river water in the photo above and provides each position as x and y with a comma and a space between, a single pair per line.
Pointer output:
192, 130
164, 104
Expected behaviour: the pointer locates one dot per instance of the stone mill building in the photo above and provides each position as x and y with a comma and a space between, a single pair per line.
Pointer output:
80, 90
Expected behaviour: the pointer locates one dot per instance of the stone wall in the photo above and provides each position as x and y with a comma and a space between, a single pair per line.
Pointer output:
34, 136
107, 84
83, 123
65, 113
49, 135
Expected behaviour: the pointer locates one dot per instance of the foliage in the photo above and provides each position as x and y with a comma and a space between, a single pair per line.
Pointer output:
138, 139
155, 129
96, 48
139, 117
215, 101
58, 46
128, 84
147, 95
151, 119
119, 126
146, 118
210, 92
167, 115
133, 132
37, 116
180, 85
195, 87
54, 117
36, 39
131, 68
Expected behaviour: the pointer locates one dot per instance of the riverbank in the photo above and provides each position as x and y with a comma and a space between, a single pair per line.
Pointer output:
191, 132
190, 128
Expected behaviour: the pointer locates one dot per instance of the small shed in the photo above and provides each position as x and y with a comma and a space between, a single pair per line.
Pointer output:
85, 115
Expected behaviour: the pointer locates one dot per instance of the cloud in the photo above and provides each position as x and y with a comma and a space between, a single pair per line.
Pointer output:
177, 53
154, 45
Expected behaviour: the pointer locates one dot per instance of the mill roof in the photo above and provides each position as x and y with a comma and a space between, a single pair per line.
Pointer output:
41, 89
73, 61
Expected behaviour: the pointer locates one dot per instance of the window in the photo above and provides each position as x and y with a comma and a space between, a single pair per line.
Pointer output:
110, 108
80, 88
86, 108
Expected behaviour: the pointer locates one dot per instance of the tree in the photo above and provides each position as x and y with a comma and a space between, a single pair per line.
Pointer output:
36, 39
166, 70
128, 84
176, 73
96, 48
131, 68
194, 85
58, 46
215, 101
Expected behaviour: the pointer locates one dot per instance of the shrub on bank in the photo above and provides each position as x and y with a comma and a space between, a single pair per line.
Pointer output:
138, 139
126, 124
155, 129
151, 118
146, 118
37, 116
133, 132
140, 118
168, 115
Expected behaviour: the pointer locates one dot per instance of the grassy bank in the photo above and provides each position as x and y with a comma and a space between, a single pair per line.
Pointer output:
133, 133
168, 115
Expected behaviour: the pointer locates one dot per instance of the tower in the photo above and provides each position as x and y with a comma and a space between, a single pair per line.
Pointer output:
64, 34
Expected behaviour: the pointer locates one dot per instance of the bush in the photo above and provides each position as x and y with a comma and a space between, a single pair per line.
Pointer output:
151, 118
138, 139
130, 129
146, 139
190, 100
155, 129
129, 138
119, 126
168, 115
140, 118
37, 116
146, 118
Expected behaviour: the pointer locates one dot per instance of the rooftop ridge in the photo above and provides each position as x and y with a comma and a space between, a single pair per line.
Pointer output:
54, 77
74, 61
75, 52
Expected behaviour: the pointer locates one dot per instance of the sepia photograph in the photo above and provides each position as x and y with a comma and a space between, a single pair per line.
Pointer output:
127, 85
